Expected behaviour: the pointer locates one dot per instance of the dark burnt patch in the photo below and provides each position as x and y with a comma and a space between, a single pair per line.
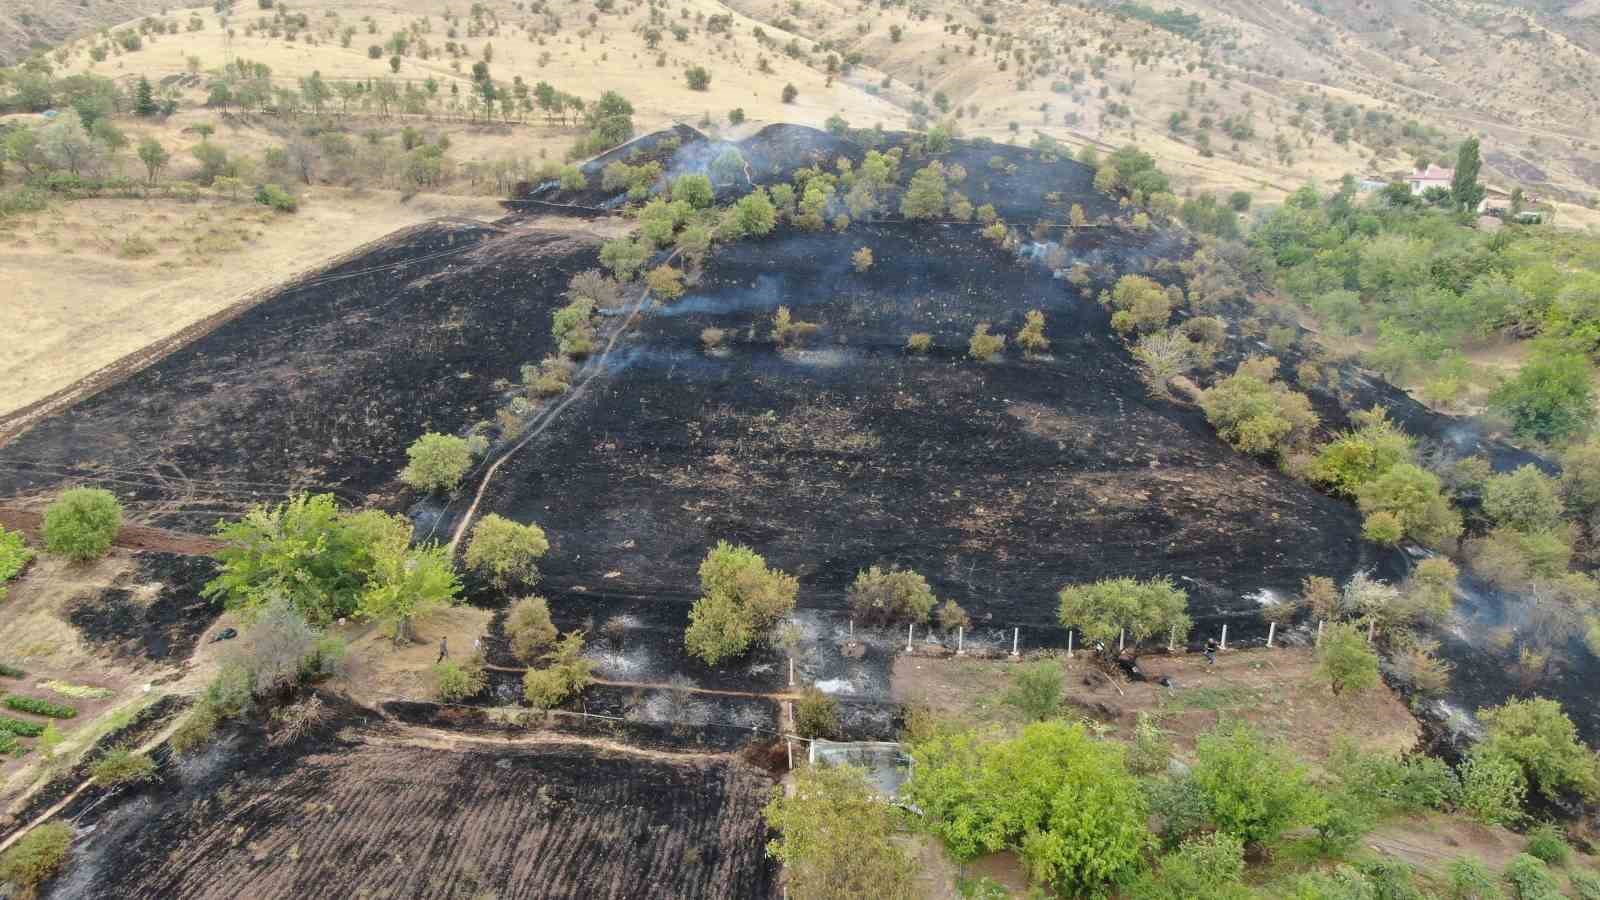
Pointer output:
154, 613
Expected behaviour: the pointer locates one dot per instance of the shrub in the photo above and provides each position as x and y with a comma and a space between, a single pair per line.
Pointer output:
623, 256
14, 557
1137, 304
698, 77
1346, 660
1202, 868
1151, 750
568, 674
1585, 883
1470, 879
1036, 689
1515, 559
275, 197
1413, 495
790, 92
529, 628
1531, 879
1063, 799
1255, 790
1546, 842
920, 342
788, 330
1492, 789
951, 616
454, 681
40, 707
195, 729
1257, 415
36, 857
665, 282
1526, 500
19, 727
1031, 338
896, 595
505, 550
816, 715
694, 190
862, 259
1162, 356
1539, 737
82, 523
1383, 528
1357, 457
122, 766
925, 195
983, 345
712, 338
1101, 611
740, 597
437, 462
1550, 398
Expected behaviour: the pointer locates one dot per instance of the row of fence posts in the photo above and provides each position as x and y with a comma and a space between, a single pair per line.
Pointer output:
1172, 639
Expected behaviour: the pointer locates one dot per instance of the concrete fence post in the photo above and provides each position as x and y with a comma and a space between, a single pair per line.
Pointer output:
791, 671
1372, 624
790, 743
1319, 632
961, 640
1224, 643
1015, 632
852, 627
1172, 640
1122, 639
1069, 643
1272, 630
910, 628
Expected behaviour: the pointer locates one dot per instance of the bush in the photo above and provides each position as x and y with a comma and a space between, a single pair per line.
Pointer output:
1137, 304
437, 462
623, 256
1101, 611
694, 190
1036, 689
1470, 879
1255, 790
951, 616
122, 766
1413, 495
567, 675
40, 707
529, 629
82, 524
1384, 528
1531, 879
665, 282
790, 92
506, 550
1493, 789
896, 595
740, 598
14, 557
36, 857
1538, 736
20, 728
1551, 398
275, 197
862, 259
455, 681
1585, 883
1031, 338
920, 342
195, 729
1346, 660
1526, 500
698, 77
816, 715
1202, 868
1546, 842
1357, 457
1257, 415
983, 345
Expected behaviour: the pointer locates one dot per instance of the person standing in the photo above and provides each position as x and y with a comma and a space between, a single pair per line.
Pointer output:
444, 649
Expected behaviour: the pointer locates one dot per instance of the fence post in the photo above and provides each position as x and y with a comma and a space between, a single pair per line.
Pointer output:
1272, 629
791, 671
1122, 638
852, 627
1371, 624
1069, 643
961, 645
910, 627
1319, 632
1014, 633
1224, 644
1172, 640
790, 743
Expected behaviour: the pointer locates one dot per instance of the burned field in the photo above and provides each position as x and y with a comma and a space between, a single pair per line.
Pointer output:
401, 814
320, 387
129, 622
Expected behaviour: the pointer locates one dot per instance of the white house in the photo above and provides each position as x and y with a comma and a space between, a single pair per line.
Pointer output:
1431, 177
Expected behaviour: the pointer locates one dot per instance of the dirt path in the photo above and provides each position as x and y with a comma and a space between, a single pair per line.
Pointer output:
715, 692
441, 739
131, 537
542, 421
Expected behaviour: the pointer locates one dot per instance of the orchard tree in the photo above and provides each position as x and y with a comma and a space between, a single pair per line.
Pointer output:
437, 462
740, 598
1253, 789
505, 550
82, 523
1346, 660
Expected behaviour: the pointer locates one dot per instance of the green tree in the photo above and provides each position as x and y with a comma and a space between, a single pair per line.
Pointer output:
1465, 191
506, 550
1255, 789
1551, 398
1138, 304
82, 523
437, 462
836, 838
529, 628
1526, 499
694, 190
740, 597
1257, 415
1346, 660
1412, 494
890, 596
144, 98
1103, 610
1537, 735
754, 214
624, 256
304, 550
698, 78
1036, 689
405, 582
925, 197
455, 681
567, 674
1357, 457
816, 715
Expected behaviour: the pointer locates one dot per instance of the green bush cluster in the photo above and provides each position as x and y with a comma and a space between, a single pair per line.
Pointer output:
82, 523
122, 766
436, 462
566, 674
39, 707
1257, 414
15, 554
892, 595
1105, 609
741, 598
37, 856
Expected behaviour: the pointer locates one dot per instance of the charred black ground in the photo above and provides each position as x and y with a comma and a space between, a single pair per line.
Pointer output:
160, 628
